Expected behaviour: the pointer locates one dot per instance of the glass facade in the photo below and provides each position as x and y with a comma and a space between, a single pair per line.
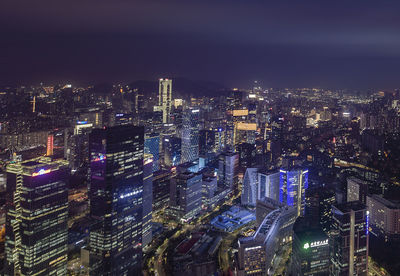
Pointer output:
190, 135
37, 217
116, 200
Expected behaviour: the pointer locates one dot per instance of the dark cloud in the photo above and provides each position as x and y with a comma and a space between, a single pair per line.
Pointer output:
282, 43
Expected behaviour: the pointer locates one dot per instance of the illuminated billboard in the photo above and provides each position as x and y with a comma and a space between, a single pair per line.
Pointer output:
246, 126
240, 112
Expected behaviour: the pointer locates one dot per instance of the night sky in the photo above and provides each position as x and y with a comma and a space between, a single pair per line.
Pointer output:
353, 44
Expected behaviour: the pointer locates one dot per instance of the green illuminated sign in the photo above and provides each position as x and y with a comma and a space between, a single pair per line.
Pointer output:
306, 245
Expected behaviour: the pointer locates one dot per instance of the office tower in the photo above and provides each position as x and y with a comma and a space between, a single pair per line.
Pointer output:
152, 146
384, 217
161, 189
209, 189
247, 155
206, 141
319, 207
37, 217
293, 184
172, 151
186, 195
147, 198
310, 249
116, 200
252, 258
228, 166
269, 181
350, 239
77, 149
164, 98
357, 189
190, 135
250, 187
211, 140
257, 253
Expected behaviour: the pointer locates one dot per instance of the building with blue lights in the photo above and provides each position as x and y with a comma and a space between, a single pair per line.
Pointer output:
116, 200
152, 146
292, 186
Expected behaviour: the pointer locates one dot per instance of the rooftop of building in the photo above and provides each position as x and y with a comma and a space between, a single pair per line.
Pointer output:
392, 204
348, 206
37, 166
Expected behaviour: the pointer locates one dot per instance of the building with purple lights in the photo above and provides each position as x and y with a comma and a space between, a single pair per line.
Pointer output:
37, 217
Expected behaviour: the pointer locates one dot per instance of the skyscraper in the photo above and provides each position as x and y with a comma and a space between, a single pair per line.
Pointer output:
228, 166
37, 217
152, 146
186, 195
164, 98
147, 198
357, 189
350, 239
190, 135
310, 249
116, 200
172, 151
258, 184
293, 184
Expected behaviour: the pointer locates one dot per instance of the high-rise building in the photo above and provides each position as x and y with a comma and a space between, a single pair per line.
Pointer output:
384, 217
319, 207
310, 249
161, 189
258, 184
116, 200
37, 217
250, 187
172, 151
186, 195
164, 98
269, 184
257, 253
293, 184
357, 189
228, 166
350, 239
190, 135
152, 146
147, 199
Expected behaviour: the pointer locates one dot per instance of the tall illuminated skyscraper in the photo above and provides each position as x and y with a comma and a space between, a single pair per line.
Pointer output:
147, 199
37, 217
190, 135
292, 188
116, 200
164, 98
350, 239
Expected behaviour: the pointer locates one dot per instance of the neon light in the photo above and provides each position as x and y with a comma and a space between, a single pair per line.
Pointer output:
319, 243
367, 230
100, 158
129, 194
41, 172
148, 161
306, 245
81, 122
